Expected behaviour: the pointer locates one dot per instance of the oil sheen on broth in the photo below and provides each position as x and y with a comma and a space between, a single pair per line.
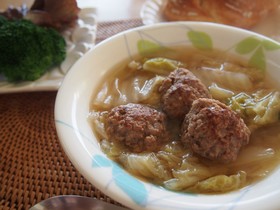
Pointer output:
174, 166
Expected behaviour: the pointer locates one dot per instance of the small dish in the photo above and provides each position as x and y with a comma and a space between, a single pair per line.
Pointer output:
79, 40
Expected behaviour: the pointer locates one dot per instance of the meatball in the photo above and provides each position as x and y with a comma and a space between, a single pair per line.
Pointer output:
212, 130
138, 127
179, 90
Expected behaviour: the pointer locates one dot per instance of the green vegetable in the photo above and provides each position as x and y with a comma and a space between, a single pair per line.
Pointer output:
147, 165
27, 51
259, 109
220, 93
3, 20
221, 183
256, 75
149, 92
161, 65
190, 172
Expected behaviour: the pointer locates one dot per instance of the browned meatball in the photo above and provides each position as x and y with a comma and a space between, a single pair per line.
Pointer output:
212, 130
179, 90
139, 127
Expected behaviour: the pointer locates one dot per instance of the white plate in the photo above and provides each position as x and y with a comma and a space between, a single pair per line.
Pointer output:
151, 13
79, 40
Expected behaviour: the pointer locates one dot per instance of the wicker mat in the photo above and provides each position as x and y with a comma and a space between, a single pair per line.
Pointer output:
33, 166
110, 28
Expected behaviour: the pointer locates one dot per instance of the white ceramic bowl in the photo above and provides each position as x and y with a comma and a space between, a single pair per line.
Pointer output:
81, 146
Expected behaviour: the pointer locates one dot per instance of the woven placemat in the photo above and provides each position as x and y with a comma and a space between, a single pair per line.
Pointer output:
33, 165
110, 28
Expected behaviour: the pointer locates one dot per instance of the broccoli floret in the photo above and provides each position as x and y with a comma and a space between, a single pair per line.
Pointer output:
27, 51
3, 20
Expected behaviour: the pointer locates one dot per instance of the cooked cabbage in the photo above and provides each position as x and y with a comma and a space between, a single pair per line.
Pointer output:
259, 109
255, 75
171, 154
219, 93
161, 66
225, 79
221, 183
97, 120
208, 63
147, 165
140, 89
190, 172
174, 168
149, 94
267, 108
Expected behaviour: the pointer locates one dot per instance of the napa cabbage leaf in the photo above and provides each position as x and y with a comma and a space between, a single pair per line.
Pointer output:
259, 109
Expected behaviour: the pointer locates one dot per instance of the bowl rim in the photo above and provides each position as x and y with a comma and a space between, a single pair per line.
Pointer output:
74, 152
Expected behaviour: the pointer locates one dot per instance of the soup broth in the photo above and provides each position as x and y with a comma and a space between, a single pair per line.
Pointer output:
174, 166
